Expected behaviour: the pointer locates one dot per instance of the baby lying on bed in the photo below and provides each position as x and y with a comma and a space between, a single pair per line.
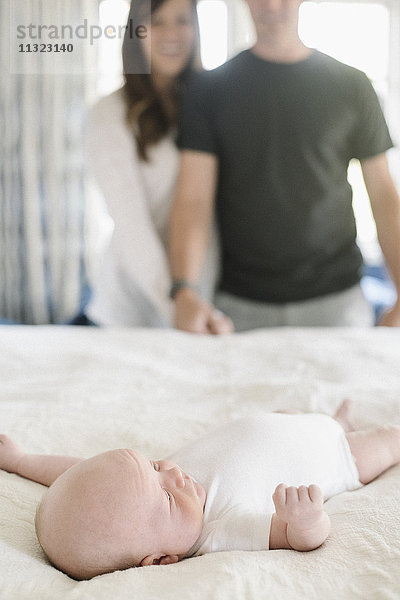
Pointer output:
119, 509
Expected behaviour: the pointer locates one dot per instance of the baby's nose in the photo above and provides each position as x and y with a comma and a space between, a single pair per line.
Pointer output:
177, 477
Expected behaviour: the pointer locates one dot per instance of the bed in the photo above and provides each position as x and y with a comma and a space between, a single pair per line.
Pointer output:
85, 390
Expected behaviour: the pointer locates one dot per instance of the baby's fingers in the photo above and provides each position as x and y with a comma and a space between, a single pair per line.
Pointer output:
304, 494
279, 496
292, 496
315, 494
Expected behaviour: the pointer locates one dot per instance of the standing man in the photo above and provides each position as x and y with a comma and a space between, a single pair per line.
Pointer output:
266, 139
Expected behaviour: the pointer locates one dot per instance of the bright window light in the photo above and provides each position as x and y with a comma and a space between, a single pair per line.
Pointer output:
213, 23
354, 33
112, 13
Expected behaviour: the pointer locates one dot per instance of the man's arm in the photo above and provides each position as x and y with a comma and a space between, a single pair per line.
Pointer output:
300, 523
385, 204
43, 469
191, 218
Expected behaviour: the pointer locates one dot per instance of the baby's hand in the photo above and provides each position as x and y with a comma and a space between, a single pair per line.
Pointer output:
300, 507
10, 454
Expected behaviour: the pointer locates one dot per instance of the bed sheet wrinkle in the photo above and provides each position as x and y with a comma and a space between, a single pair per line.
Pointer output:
84, 390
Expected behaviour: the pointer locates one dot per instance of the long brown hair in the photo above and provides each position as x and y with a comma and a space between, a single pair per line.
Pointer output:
146, 113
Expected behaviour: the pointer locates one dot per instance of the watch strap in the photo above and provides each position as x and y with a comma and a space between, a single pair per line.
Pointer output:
179, 284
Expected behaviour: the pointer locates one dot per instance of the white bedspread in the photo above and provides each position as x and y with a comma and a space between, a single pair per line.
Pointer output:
85, 390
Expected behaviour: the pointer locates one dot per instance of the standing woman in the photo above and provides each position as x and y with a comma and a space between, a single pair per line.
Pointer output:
134, 161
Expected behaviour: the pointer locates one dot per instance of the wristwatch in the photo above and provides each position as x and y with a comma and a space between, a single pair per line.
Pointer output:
179, 284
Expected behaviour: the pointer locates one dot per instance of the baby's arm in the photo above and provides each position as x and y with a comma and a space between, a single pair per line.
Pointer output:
300, 522
41, 468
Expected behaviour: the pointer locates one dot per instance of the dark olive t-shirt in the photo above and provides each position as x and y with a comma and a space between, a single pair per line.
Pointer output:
284, 135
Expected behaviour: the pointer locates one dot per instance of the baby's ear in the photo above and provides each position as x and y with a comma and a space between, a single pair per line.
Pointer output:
151, 559
170, 559
159, 559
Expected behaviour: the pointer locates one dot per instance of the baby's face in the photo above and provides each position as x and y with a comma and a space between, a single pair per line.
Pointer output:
173, 503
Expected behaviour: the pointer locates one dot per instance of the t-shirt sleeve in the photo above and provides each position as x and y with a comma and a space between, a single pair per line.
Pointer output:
196, 127
237, 531
371, 135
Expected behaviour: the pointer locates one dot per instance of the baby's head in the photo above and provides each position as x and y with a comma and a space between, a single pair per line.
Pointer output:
119, 510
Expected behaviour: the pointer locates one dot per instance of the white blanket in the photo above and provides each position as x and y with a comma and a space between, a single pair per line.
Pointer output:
81, 391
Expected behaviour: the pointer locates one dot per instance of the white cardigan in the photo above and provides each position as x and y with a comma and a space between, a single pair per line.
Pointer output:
132, 281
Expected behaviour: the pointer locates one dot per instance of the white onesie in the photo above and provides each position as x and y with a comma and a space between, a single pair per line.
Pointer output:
240, 465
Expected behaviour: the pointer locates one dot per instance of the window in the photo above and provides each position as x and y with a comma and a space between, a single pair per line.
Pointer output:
112, 13
213, 24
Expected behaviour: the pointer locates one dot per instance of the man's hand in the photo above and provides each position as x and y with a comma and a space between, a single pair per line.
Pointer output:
391, 318
307, 525
195, 315
10, 454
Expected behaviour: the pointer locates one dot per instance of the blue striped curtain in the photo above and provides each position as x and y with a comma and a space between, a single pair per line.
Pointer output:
42, 184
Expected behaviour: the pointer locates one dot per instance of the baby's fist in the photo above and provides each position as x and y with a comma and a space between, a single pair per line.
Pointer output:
300, 506
10, 454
